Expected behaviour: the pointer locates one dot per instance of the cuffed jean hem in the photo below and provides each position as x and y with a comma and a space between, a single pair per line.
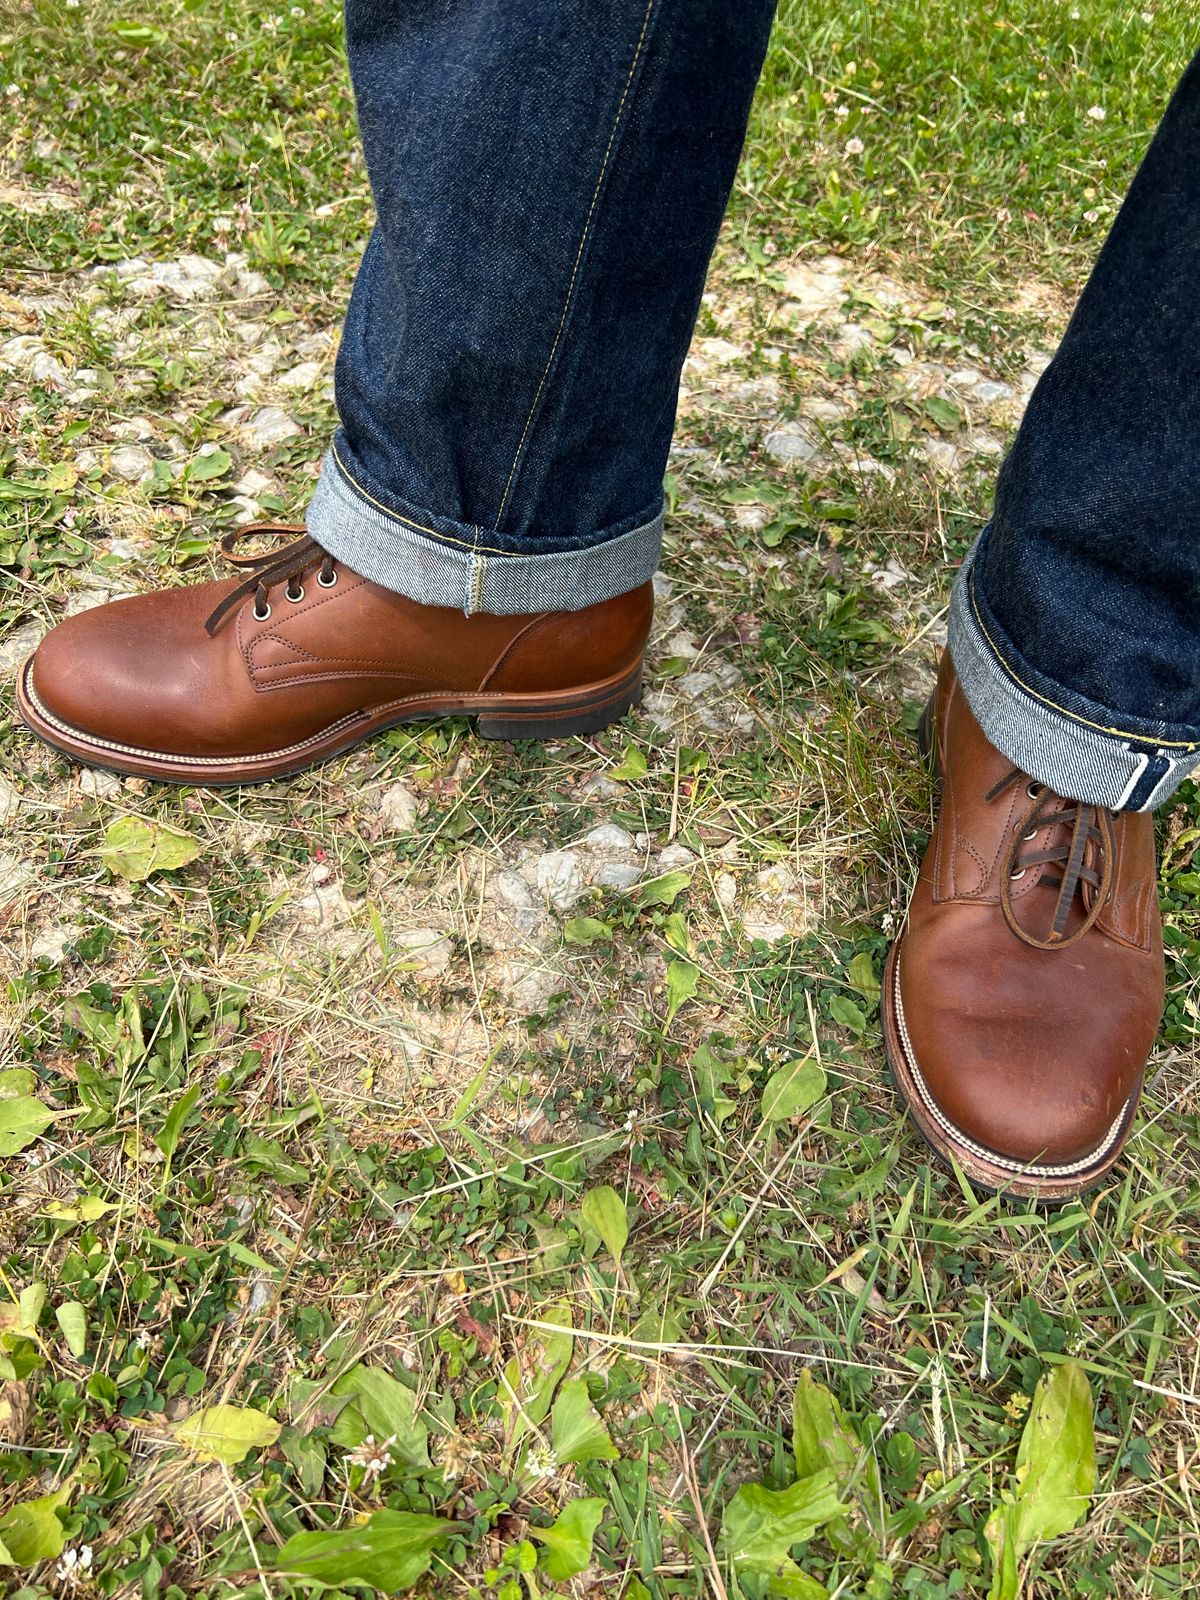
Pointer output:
1082, 756
438, 562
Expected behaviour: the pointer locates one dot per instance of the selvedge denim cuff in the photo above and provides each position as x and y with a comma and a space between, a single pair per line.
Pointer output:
438, 562
1081, 752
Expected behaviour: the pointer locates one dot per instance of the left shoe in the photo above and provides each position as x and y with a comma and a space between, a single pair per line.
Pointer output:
1022, 998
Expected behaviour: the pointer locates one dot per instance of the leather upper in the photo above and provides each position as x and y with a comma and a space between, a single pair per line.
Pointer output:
1031, 1052
144, 672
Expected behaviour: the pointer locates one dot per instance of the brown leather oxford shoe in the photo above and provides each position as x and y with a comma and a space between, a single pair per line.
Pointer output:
1021, 1000
264, 675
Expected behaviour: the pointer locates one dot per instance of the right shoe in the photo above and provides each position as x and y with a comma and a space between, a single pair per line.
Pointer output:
241, 680
1022, 998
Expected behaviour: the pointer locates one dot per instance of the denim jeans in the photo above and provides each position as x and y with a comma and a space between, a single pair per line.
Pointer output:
549, 177
1075, 623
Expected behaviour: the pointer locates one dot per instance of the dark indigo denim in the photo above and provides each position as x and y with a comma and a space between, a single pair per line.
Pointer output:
1086, 583
549, 178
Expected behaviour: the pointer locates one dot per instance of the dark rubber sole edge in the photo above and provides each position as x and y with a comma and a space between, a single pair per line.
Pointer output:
576, 716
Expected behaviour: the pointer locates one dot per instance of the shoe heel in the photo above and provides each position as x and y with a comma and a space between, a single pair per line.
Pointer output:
561, 723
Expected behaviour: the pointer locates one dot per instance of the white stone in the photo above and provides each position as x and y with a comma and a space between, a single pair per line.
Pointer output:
791, 443
528, 985
942, 455
49, 372
600, 786
253, 483
769, 932
559, 878
726, 887
398, 808
964, 378
189, 277
15, 875
814, 291
673, 857
131, 462
618, 875
304, 376
427, 951
99, 785
269, 426
51, 945
989, 393
10, 801
608, 836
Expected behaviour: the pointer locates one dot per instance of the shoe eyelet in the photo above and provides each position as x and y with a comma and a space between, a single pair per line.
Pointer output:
294, 598
1033, 790
261, 616
1015, 875
332, 579
1032, 834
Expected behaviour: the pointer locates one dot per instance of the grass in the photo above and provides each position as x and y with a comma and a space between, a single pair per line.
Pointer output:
296, 1138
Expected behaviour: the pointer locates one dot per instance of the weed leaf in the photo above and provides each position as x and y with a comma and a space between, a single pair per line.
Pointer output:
568, 1540
578, 1433
167, 1137
1055, 1476
603, 1211
72, 1319
388, 1552
134, 847
682, 978
22, 1120
761, 1525
385, 1408
31, 1532
791, 1089
226, 1433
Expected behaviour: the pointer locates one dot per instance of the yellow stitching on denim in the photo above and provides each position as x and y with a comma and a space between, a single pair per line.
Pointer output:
583, 239
445, 538
1098, 727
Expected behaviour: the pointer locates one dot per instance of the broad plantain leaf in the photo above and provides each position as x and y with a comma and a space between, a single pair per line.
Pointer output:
603, 1211
134, 847
72, 1319
31, 1532
761, 1525
577, 1431
1055, 1476
568, 1540
386, 1409
388, 1552
22, 1120
792, 1088
226, 1433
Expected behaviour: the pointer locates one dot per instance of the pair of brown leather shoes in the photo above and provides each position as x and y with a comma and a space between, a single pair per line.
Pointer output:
1020, 1002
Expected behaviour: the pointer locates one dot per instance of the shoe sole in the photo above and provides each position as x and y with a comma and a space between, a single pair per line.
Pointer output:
1047, 1184
556, 715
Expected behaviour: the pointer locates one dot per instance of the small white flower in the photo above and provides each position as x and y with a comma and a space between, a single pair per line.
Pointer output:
270, 24
541, 1462
1097, 113
770, 248
851, 68
841, 112
374, 1459
14, 91
1091, 216
74, 1564
231, 37
854, 147
72, 5
1074, 13
296, 11
1147, 16
1004, 216
1019, 119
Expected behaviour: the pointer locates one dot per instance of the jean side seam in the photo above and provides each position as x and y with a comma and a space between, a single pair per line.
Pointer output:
408, 522
579, 254
1096, 727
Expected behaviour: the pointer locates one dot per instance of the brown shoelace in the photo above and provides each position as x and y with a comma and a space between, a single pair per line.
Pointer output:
270, 567
1087, 857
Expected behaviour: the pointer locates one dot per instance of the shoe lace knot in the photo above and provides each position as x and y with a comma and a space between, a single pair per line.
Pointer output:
1081, 842
266, 568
